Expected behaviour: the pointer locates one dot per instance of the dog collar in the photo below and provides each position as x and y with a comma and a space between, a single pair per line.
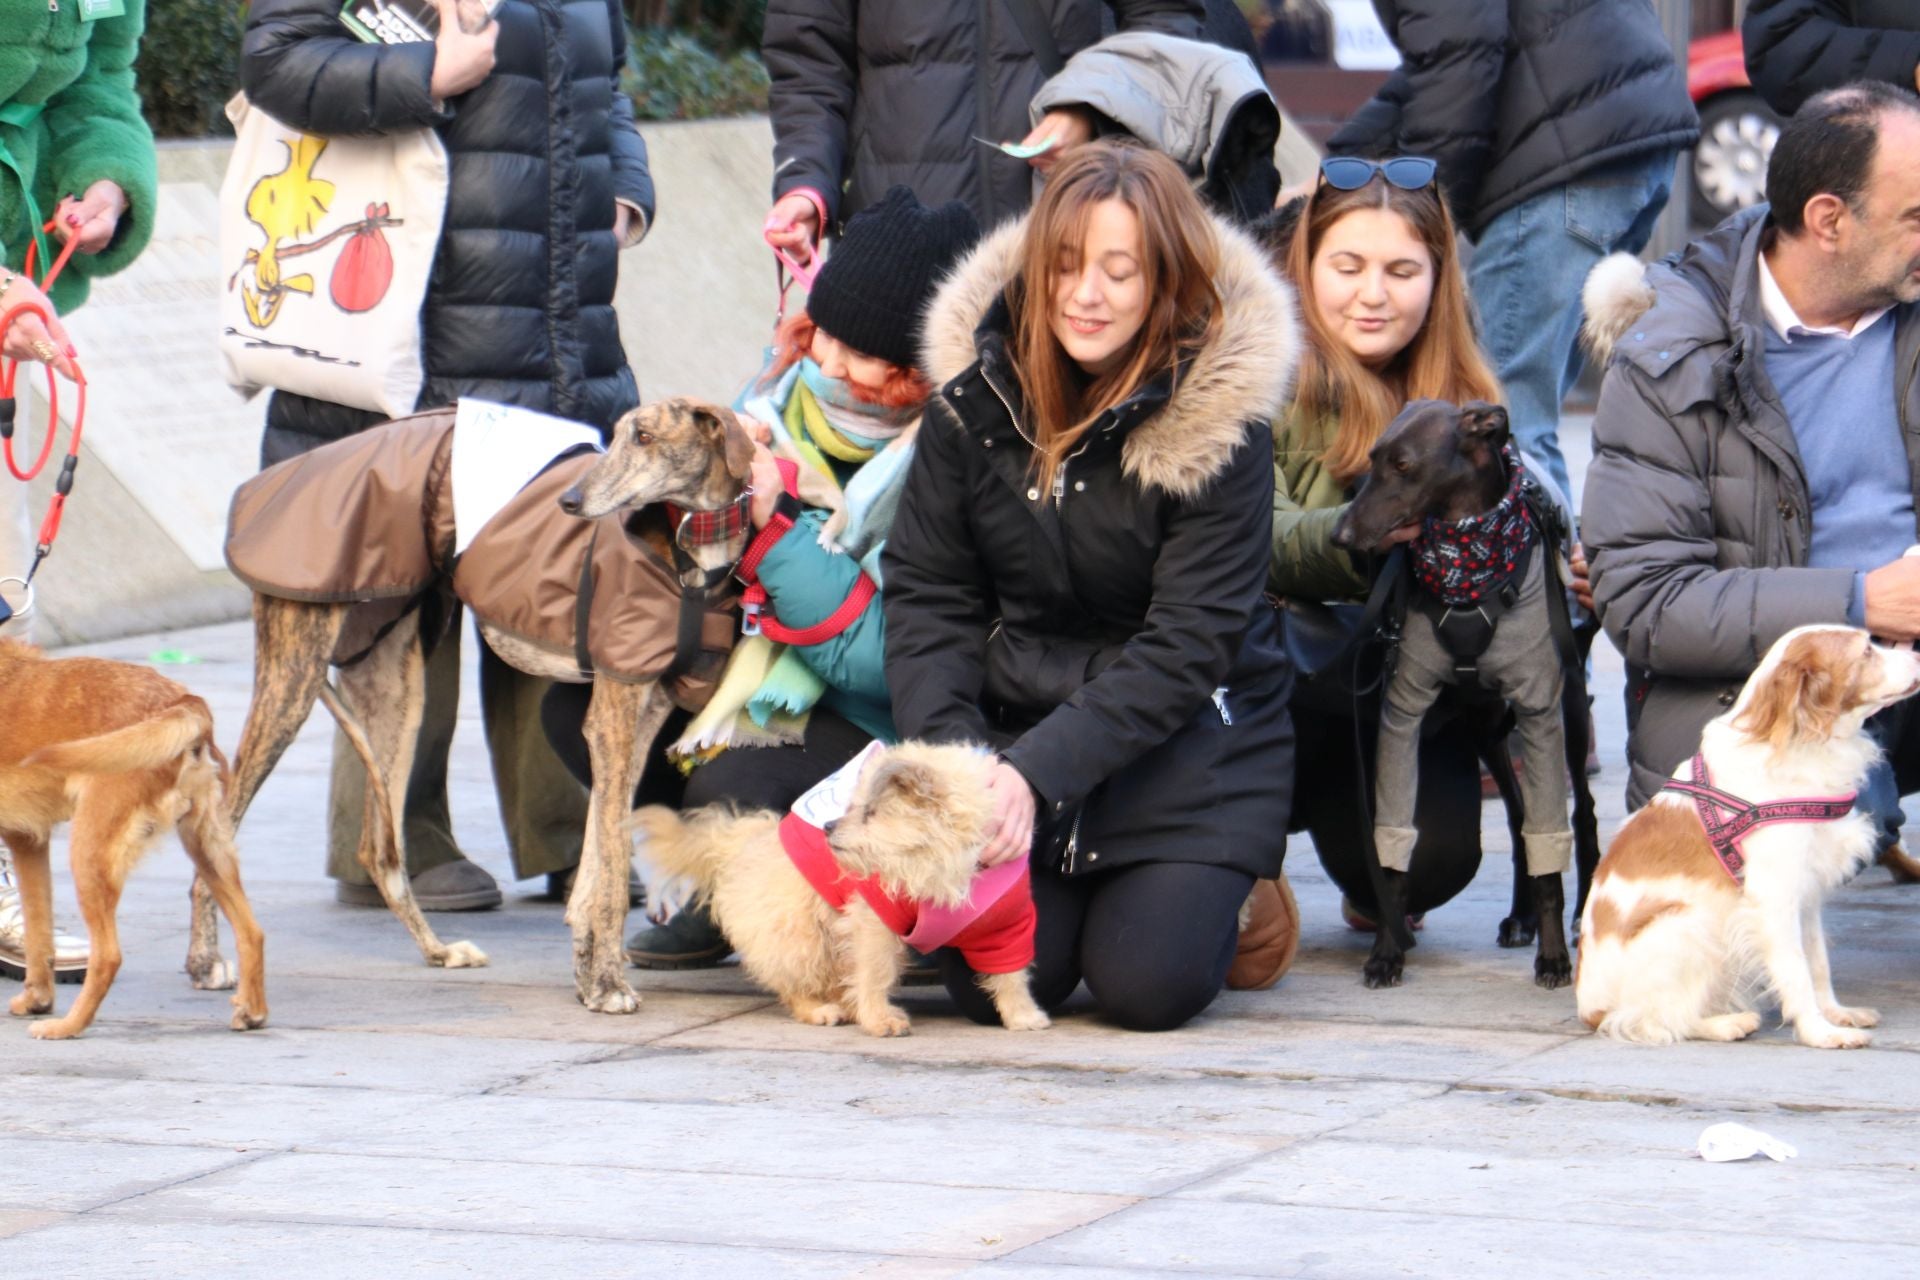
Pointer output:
1464, 562
1729, 820
727, 527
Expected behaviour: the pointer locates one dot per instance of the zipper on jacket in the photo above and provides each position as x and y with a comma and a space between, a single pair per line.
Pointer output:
1220, 704
1073, 845
986, 375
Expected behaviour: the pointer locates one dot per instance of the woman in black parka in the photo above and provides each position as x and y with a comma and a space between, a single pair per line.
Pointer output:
1075, 575
547, 183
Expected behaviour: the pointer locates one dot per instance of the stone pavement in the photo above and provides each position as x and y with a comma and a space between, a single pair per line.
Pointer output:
394, 1120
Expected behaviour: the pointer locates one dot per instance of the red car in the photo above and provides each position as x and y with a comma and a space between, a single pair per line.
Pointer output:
1737, 129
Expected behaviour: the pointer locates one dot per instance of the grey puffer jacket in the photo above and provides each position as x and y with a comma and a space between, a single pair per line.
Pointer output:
869, 93
1696, 518
1518, 97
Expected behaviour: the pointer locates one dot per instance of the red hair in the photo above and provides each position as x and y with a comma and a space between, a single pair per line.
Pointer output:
793, 342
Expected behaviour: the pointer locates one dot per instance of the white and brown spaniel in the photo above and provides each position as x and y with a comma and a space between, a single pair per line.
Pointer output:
1708, 901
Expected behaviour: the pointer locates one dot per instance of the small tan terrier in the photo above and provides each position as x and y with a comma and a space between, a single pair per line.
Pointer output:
818, 901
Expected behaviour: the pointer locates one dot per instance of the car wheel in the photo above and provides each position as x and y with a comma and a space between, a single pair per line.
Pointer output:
1737, 133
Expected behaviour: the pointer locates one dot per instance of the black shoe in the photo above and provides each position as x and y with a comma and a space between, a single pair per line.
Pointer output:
920, 971
459, 885
560, 887
690, 940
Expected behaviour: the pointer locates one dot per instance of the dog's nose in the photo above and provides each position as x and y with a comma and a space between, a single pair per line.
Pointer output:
571, 500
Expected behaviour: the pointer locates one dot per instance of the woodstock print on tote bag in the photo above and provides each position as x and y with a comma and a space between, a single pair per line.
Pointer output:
326, 245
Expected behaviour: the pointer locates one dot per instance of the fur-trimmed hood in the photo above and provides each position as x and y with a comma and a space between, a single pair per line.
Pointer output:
1243, 375
1615, 295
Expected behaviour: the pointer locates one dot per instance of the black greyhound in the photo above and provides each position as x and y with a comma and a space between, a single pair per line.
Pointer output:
1440, 461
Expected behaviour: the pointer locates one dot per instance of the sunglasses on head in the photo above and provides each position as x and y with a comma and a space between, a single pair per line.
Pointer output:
1350, 173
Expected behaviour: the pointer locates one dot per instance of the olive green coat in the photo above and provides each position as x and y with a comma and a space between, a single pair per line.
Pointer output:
1307, 500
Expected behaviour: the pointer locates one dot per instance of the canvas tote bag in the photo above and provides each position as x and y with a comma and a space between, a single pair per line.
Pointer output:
326, 245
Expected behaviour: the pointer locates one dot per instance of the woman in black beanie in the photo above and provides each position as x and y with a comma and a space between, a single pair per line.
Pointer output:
839, 403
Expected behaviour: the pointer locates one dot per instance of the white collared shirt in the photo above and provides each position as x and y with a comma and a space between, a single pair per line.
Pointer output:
1785, 321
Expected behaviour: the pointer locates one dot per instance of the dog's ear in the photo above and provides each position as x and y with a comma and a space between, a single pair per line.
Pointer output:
723, 430
1483, 423
906, 782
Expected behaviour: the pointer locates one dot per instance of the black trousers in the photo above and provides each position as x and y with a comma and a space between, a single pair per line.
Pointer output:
1332, 798
749, 778
1153, 942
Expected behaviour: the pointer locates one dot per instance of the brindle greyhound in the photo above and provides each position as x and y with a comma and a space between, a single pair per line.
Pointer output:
1441, 461
693, 455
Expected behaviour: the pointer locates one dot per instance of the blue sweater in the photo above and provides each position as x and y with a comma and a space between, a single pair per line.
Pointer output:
1841, 396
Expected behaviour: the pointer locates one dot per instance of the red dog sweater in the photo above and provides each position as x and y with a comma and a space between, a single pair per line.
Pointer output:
993, 928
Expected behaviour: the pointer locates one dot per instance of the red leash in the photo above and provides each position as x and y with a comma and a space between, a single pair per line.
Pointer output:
9, 373
757, 612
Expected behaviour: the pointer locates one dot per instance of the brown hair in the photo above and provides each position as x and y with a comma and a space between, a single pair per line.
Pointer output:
1443, 362
793, 342
1179, 257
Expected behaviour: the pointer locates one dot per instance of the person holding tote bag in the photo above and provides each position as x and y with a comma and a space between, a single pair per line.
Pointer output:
547, 182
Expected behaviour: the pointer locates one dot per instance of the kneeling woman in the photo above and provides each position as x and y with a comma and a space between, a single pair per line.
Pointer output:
1075, 576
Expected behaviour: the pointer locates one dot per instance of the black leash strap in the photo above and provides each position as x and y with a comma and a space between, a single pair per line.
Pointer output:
583, 606
1388, 587
693, 612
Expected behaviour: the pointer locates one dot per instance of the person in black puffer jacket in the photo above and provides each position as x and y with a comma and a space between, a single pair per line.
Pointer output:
1556, 124
896, 94
548, 182
1075, 576
1796, 48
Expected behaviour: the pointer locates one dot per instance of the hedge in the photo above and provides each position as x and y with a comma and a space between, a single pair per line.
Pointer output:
700, 61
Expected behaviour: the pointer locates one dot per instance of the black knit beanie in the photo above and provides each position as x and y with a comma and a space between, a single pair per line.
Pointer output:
875, 287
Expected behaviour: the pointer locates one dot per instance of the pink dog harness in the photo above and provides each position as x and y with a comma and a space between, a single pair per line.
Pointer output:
1729, 820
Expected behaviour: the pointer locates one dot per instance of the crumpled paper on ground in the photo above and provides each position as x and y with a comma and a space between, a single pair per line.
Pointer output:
1729, 1141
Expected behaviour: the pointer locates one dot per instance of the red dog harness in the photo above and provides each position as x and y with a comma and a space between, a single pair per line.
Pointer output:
1729, 820
756, 618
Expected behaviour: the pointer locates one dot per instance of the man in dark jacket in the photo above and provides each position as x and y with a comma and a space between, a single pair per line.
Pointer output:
1556, 125
1755, 462
1796, 48
868, 95
547, 183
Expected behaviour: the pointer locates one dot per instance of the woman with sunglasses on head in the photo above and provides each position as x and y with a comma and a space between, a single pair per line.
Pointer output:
1075, 574
1387, 321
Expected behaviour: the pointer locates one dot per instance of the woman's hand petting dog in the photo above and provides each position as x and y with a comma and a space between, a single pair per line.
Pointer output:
1013, 814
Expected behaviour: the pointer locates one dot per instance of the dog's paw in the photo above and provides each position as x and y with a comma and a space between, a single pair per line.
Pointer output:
213, 975
1033, 1020
1829, 1037
461, 955
1843, 1016
1382, 971
55, 1029
28, 1005
1552, 972
1515, 932
822, 1015
1730, 1026
245, 1019
890, 1021
615, 997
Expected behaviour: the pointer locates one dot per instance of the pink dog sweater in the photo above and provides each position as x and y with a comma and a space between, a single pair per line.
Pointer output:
993, 928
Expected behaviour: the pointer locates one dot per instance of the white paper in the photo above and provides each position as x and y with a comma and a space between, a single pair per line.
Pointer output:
1726, 1141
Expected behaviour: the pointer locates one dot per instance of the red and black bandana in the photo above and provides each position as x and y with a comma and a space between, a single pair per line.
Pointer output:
1464, 562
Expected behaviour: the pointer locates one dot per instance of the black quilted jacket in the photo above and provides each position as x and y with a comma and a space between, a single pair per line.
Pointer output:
1519, 97
880, 92
520, 305
1796, 48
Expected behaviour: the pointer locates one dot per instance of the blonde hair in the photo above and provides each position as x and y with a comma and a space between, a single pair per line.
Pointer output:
1179, 255
1444, 360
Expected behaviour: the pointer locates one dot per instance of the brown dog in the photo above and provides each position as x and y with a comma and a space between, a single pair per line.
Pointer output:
683, 452
124, 753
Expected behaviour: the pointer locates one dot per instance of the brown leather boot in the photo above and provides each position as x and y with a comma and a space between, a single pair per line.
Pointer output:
1269, 936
